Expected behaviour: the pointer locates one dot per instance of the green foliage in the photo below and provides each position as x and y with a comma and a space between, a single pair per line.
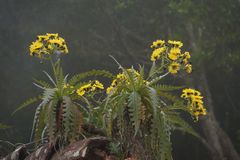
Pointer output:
59, 116
166, 88
78, 77
27, 103
138, 112
42, 84
134, 104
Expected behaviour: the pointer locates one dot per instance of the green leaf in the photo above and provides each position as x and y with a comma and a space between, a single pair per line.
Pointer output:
50, 78
160, 137
40, 123
152, 70
42, 83
48, 95
27, 103
181, 124
164, 87
51, 119
134, 104
78, 77
168, 96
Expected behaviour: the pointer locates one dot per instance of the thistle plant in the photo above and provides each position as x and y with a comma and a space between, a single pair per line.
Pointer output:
138, 111
141, 111
65, 104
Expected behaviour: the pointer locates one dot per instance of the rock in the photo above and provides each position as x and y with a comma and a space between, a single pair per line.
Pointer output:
95, 148
88, 149
20, 153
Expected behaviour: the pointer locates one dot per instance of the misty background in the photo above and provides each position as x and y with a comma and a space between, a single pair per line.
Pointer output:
95, 29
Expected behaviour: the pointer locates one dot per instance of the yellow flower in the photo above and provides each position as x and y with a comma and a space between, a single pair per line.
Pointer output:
174, 53
157, 53
56, 42
178, 44
187, 92
187, 55
64, 48
35, 47
188, 68
185, 61
52, 35
121, 76
196, 99
67, 86
110, 90
85, 88
196, 107
46, 44
42, 38
174, 67
157, 43
97, 85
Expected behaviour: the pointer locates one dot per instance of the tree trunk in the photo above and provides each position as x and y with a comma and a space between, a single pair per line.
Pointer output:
219, 144
214, 134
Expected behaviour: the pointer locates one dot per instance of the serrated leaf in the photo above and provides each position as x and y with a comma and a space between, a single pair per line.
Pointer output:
40, 124
181, 124
42, 83
78, 77
134, 104
164, 87
168, 96
27, 103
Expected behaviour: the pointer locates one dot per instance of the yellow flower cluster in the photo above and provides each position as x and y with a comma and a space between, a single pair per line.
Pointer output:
121, 78
47, 44
171, 52
195, 103
90, 87
159, 48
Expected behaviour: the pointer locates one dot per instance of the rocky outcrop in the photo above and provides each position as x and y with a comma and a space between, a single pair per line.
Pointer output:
95, 148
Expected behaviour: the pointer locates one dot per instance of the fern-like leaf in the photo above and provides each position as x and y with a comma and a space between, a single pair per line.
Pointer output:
164, 87
51, 119
134, 104
42, 84
78, 77
168, 96
48, 94
35, 120
40, 124
27, 103
160, 138
181, 124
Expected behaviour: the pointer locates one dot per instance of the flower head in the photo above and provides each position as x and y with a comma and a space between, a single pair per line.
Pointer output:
35, 48
188, 68
97, 85
174, 53
195, 102
89, 87
157, 43
174, 67
48, 44
85, 88
178, 44
157, 53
